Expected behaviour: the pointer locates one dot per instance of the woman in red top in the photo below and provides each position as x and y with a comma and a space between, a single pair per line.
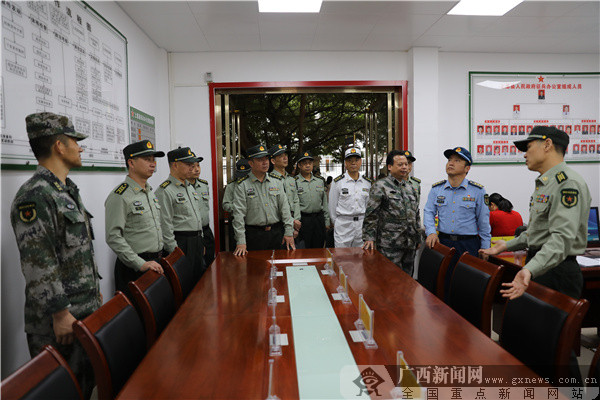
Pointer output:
503, 219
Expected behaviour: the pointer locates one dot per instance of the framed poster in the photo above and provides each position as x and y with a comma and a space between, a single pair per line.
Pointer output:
63, 57
504, 107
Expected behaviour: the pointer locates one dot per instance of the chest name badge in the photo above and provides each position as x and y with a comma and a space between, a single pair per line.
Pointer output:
137, 203
250, 192
71, 206
440, 199
345, 191
179, 194
300, 190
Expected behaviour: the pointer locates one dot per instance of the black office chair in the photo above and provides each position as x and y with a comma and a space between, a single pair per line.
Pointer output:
46, 376
473, 286
540, 327
432, 268
114, 340
180, 273
155, 301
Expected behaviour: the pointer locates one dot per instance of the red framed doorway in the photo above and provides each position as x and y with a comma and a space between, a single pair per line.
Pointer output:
401, 134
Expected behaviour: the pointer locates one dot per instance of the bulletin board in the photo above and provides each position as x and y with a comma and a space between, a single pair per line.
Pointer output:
504, 107
63, 57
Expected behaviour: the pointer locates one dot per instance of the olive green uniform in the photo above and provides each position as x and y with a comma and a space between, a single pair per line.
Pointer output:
416, 184
261, 212
181, 220
228, 197
133, 229
291, 192
201, 187
314, 210
557, 230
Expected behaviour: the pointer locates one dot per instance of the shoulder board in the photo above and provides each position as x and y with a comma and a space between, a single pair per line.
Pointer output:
338, 178
165, 184
368, 179
439, 183
203, 181
320, 177
479, 185
561, 177
275, 176
242, 179
297, 177
415, 179
121, 188
233, 181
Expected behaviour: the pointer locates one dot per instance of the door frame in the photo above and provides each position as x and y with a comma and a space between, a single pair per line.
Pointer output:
401, 86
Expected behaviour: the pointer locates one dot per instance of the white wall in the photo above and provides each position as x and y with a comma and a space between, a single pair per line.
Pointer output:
148, 91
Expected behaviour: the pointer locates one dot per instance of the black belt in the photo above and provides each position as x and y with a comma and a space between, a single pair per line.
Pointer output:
264, 227
532, 252
150, 256
316, 214
188, 233
205, 227
456, 238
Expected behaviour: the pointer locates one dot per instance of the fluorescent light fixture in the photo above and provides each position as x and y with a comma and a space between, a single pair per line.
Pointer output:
497, 84
484, 7
289, 6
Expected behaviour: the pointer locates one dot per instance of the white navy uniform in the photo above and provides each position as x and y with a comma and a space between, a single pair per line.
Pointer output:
347, 205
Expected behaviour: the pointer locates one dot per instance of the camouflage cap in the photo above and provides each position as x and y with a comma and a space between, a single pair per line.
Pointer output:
48, 124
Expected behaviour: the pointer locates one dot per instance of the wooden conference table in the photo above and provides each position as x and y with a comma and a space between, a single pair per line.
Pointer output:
216, 346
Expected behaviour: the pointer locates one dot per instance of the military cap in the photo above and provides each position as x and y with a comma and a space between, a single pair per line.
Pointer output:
198, 159
542, 133
257, 151
409, 156
242, 168
461, 152
142, 148
306, 156
48, 124
183, 154
352, 152
277, 150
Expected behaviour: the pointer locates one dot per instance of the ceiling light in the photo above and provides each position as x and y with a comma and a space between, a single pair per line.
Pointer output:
289, 6
484, 7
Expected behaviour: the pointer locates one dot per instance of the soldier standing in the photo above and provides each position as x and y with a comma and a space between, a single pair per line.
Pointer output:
313, 204
280, 160
242, 168
558, 216
132, 218
180, 214
392, 221
201, 187
348, 198
415, 182
54, 235
261, 212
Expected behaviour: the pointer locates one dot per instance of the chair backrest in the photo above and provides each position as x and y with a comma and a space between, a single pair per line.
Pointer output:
432, 268
539, 328
155, 301
46, 376
180, 273
114, 340
473, 286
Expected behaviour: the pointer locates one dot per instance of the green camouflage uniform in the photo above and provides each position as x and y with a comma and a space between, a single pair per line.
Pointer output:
558, 216
392, 221
54, 236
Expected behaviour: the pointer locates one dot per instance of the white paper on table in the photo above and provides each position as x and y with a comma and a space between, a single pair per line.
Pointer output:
326, 272
281, 298
279, 273
357, 336
336, 296
299, 263
588, 262
283, 339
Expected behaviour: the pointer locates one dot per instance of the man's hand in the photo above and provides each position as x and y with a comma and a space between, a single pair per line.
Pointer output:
153, 265
240, 250
432, 240
328, 227
289, 242
517, 287
500, 246
369, 245
296, 234
297, 225
62, 323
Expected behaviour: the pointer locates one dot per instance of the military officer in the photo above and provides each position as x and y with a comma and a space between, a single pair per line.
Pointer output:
201, 187
279, 159
313, 204
54, 235
392, 221
415, 182
242, 168
261, 212
348, 198
180, 213
132, 218
558, 217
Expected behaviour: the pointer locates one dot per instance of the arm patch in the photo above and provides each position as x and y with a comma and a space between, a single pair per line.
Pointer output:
121, 188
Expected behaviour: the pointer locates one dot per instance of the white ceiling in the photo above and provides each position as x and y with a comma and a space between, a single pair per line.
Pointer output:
563, 27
